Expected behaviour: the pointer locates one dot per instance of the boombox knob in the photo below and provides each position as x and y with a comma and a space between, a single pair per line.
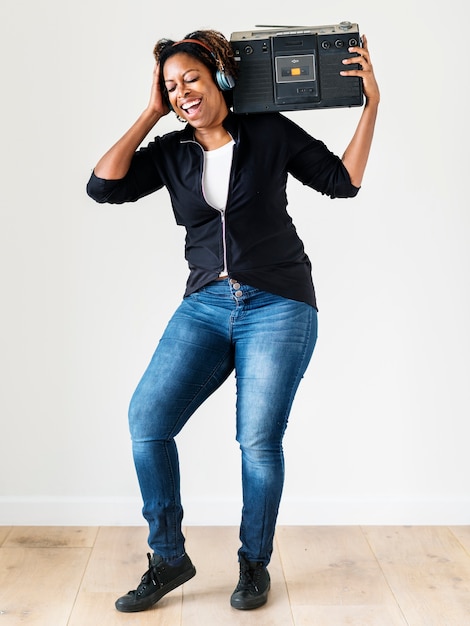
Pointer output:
345, 25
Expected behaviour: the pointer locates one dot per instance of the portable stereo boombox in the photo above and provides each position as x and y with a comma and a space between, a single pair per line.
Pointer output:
295, 68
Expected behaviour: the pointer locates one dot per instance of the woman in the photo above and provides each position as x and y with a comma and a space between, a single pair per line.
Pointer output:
249, 304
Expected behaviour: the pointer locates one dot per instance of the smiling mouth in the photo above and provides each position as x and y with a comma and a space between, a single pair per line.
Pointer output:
191, 106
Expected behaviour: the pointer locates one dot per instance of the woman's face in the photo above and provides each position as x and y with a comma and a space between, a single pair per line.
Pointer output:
192, 91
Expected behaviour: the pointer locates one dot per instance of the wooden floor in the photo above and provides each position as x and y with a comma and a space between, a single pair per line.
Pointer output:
321, 576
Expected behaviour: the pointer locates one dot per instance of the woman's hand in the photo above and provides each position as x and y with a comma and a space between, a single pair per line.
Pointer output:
157, 103
365, 71
357, 153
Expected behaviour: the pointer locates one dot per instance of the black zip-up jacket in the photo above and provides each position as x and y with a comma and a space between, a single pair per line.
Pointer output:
254, 240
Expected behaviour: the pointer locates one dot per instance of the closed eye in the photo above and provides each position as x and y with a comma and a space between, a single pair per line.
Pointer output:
186, 80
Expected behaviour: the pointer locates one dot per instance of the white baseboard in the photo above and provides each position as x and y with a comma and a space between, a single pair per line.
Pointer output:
47, 511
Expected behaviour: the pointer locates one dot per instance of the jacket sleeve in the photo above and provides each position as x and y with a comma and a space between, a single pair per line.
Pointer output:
142, 178
314, 165
322, 170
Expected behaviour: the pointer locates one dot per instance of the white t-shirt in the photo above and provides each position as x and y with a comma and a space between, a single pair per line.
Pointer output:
216, 175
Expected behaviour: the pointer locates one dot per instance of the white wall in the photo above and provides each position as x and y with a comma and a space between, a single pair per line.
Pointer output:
379, 431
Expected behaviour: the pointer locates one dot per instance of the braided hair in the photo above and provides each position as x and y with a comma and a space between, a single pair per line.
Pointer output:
215, 52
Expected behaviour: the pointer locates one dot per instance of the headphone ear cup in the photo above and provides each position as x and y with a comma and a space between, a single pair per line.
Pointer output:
225, 82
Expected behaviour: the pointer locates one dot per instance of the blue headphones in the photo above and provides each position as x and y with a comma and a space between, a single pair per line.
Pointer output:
224, 81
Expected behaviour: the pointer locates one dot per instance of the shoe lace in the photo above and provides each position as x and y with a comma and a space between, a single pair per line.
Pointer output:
150, 577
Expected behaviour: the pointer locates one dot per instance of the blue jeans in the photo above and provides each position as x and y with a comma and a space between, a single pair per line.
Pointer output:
268, 340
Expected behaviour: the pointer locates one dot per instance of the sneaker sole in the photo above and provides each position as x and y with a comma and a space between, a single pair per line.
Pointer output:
158, 595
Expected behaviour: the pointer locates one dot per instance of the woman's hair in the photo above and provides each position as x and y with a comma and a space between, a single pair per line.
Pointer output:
214, 51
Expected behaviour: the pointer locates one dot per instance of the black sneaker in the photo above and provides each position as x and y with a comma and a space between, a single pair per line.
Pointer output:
158, 580
253, 586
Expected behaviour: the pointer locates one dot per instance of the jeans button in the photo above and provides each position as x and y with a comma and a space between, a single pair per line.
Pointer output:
236, 285
238, 293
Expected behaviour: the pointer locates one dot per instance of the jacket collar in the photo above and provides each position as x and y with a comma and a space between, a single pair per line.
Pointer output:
231, 124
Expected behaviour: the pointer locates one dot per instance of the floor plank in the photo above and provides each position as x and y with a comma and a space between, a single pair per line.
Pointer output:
428, 570
333, 566
462, 533
118, 560
348, 616
38, 586
51, 537
4, 532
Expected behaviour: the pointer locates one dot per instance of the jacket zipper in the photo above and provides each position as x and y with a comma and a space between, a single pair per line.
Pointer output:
224, 272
